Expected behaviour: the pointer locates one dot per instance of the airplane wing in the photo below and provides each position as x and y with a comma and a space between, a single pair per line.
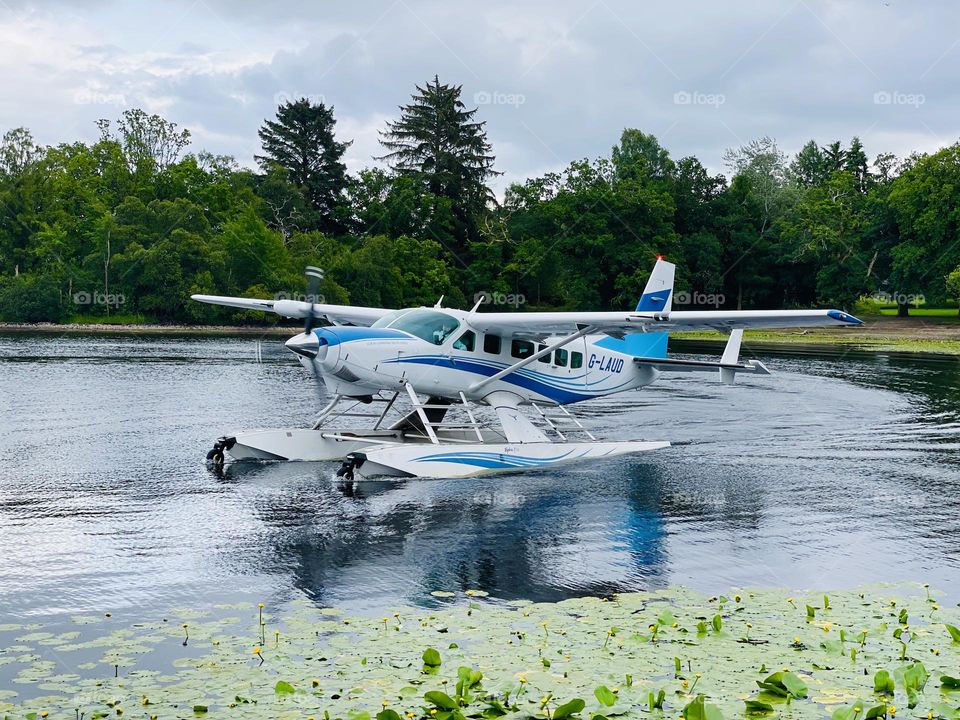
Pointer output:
653, 313
539, 324
340, 314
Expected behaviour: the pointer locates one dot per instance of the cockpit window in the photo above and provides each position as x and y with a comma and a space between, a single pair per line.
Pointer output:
429, 325
390, 317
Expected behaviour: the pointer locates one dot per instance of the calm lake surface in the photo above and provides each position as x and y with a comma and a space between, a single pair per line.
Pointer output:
841, 469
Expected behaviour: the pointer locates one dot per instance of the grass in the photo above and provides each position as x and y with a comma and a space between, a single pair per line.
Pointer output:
924, 312
845, 339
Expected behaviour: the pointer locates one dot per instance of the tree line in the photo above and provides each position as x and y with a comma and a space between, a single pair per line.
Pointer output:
133, 224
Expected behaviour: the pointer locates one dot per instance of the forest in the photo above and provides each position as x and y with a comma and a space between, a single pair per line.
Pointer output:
126, 228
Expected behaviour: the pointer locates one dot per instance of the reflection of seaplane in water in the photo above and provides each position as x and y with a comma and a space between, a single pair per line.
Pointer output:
449, 368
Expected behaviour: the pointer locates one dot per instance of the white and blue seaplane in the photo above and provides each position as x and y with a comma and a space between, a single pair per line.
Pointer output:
478, 392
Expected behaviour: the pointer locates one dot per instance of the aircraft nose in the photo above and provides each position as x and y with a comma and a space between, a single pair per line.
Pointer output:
306, 345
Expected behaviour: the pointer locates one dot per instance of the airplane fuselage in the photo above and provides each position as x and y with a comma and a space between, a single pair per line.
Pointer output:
439, 353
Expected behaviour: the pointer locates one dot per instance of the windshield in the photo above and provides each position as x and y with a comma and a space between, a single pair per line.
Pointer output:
390, 317
429, 325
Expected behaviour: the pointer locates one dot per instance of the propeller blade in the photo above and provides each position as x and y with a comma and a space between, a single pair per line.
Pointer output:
314, 277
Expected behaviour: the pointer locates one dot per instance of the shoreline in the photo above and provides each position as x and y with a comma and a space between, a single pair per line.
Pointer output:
938, 336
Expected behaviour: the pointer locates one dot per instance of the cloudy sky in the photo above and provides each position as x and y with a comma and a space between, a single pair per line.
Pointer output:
555, 80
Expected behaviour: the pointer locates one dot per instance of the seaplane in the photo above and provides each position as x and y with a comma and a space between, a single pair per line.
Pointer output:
437, 392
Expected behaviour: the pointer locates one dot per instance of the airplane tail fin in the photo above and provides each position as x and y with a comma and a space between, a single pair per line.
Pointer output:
658, 294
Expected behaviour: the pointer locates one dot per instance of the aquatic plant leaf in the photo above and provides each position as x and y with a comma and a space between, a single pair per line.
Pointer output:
569, 709
954, 632
849, 712
605, 695
945, 711
883, 683
440, 700
699, 709
431, 657
757, 707
951, 683
284, 688
794, 685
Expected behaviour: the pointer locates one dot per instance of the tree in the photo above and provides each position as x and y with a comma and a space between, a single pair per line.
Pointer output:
639, 155
835, 156
302, 142
438, 142
18, 152
763, 192
925, 201
826, 229
149, 142
810, 166
855, 162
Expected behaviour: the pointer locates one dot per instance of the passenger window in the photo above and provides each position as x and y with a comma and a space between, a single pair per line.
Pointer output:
465, 341
543, 358
576, 360
560, 357
491, 344
521, 349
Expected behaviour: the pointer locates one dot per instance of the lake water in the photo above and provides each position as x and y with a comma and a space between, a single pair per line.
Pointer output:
839, 470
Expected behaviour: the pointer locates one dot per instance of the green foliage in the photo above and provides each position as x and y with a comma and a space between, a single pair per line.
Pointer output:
784, 684
569, 709
605, 695
883, 683
699, 709
301, 145
438, 143
131, 217
431, 657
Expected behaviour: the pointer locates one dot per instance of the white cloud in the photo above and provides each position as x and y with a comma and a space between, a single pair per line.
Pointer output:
790, 69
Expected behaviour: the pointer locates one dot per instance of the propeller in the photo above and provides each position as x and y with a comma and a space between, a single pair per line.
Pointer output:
314, 277
307, 344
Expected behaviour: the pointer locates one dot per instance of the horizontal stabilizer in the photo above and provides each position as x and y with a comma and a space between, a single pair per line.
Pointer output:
676, 365
728, 371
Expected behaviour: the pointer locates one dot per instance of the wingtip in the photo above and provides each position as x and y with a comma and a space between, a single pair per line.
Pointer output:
845, 318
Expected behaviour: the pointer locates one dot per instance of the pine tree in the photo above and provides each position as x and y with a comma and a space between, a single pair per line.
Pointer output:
437, 141
810, 166
856, 164
301, 141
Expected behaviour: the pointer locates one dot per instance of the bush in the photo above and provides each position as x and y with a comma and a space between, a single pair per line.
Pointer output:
30, 299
